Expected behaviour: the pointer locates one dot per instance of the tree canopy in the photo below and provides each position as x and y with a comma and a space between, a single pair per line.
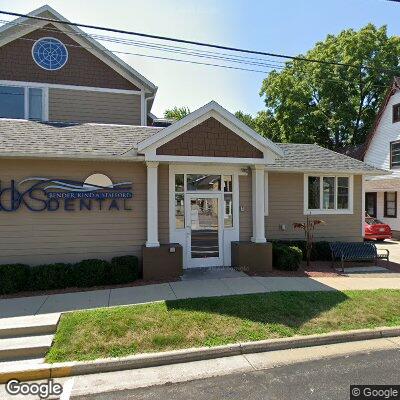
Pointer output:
331, 105
328, 104
176, 113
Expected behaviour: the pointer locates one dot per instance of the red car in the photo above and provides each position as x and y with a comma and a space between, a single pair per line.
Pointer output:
375, 229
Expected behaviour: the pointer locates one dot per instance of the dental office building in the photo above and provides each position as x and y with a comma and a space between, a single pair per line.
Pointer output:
85, 172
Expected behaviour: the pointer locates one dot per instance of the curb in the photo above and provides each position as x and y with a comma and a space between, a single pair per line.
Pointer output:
59, 370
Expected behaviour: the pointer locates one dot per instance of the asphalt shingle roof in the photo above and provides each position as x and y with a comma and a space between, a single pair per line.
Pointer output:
60, 139
311, 157
29, 138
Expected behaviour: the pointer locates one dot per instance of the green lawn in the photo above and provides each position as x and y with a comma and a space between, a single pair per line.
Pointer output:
121, 331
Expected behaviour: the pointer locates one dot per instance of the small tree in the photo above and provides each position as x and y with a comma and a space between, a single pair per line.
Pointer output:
308, 227
177, 113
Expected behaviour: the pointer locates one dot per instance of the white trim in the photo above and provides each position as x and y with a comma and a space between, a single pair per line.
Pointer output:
45, 99
97, 49
45, 103
26, 102
266, 194
258, 205
211, 261
215, 110
229, 234
72, 87
41, 66
206, 160
152, 205
143, 112
334, 211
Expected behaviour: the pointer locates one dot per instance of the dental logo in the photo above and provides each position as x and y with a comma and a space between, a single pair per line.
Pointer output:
44, 194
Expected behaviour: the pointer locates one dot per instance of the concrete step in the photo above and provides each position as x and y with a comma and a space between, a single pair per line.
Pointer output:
28, 326
24, 347
17, 365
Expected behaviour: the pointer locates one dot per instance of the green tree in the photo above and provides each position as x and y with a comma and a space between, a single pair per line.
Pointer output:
331, 105
264, 123
176, 113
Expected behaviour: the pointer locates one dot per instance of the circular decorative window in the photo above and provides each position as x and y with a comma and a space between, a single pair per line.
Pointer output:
49, 53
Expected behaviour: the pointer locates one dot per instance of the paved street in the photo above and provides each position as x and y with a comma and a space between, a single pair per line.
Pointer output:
327, 379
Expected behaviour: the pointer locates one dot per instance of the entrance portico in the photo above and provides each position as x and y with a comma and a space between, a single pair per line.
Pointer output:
206, 153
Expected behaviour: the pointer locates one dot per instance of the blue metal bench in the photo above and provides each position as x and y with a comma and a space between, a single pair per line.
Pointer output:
356, 251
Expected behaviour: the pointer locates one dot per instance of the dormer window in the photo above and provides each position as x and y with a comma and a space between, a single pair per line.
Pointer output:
395, 154
396, 113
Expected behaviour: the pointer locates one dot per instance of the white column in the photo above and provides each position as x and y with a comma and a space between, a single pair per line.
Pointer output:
258, 203
152, 205
143, 109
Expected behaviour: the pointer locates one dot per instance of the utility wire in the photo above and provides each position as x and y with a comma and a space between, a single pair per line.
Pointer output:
191, 42
195, 62
163, 47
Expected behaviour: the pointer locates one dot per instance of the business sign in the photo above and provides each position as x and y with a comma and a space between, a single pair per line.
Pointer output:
97, 192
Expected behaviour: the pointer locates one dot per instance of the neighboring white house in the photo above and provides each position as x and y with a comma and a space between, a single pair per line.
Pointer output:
382, 150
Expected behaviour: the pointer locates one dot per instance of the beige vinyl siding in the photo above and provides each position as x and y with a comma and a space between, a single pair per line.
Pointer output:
245, 216
69, 236
163, 203
93, 106
286, 206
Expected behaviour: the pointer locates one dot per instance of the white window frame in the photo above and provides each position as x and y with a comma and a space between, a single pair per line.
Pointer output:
45, 101
328, 211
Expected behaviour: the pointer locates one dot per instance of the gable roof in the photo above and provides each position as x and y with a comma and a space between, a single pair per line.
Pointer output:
31, 139
212, 106
18, 27
393, 88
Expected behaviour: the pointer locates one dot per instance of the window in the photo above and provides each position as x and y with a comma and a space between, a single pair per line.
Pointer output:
395, 154
203, 182
21, 102
313, 192
179, 211
390, 205
343, 193
50, 53
179, 201
396, 113
327, 194
370, 204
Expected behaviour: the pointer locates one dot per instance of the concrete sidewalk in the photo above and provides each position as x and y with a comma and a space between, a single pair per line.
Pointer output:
218, 285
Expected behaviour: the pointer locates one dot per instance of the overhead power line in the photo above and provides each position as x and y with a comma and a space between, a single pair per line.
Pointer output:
176, 49
184, 41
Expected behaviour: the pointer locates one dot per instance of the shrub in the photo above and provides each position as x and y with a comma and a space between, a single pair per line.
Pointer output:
14, 278
124, 269
90, 272
50, 276
321, 251
286, 258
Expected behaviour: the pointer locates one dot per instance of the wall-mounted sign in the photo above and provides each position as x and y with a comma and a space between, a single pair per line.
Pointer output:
97, 192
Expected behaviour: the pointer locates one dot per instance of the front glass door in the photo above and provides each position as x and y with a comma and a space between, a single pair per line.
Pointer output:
204, 231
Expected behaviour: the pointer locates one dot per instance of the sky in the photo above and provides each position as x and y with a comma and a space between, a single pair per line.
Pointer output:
285, 27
